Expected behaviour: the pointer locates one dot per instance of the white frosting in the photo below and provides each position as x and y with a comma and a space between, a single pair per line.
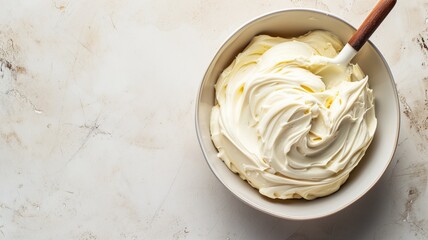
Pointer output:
290, 125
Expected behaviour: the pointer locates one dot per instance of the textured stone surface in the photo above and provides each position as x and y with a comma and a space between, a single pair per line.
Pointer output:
97, 135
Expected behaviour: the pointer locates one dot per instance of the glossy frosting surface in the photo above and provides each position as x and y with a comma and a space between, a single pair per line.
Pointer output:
291, 125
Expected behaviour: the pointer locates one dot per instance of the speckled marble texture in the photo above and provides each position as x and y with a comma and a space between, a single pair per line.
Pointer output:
97, 136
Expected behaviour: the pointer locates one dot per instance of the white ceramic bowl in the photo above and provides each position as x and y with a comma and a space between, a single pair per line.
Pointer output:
289, 23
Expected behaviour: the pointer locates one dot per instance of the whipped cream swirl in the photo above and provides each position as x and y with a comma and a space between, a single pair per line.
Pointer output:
289, 124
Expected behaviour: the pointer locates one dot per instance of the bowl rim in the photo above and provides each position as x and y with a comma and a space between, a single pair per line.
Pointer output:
254, 204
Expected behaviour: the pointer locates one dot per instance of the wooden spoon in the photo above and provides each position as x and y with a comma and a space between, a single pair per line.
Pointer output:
360, 37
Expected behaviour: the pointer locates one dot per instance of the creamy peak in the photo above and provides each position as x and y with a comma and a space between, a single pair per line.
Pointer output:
290, 125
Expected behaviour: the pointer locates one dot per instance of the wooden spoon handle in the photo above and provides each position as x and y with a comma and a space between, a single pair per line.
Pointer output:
373, 20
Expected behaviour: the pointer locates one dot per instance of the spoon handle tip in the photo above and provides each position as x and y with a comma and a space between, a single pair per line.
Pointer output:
371, 23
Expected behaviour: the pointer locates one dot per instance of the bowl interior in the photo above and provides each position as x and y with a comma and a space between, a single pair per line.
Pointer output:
290, 23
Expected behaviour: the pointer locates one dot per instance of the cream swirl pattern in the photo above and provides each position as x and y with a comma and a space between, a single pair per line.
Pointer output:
292, 126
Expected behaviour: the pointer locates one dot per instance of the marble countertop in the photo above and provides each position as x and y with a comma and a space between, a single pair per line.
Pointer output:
97, 137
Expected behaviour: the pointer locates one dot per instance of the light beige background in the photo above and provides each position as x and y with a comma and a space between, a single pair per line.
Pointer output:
97, 136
